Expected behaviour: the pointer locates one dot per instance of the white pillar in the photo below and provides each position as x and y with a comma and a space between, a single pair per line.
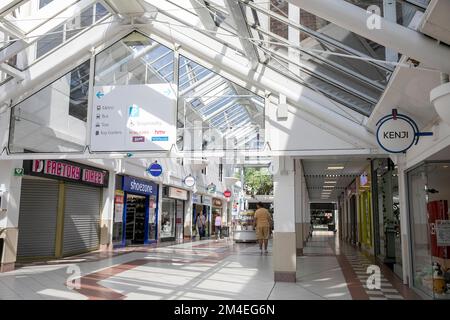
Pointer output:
188, 217
299, 207
284, 243
404, 219
160, 201
107, 215
10, 188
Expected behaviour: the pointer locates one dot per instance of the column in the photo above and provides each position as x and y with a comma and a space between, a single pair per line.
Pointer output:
107, 216
160, 201
188, 217
404, 218
284, 240
10, 189
299, 208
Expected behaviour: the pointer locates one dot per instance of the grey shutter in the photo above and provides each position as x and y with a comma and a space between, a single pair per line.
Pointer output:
81, 219
37, 218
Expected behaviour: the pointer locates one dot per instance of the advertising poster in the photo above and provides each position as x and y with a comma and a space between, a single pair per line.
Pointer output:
118, 206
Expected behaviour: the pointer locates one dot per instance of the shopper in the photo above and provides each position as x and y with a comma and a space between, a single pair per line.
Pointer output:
263, 222
201, 223
218, 225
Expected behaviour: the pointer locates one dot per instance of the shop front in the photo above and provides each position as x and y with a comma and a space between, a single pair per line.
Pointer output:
201, 203
172, 213
387, 235
352, 221
429, 196
135, 212
365, 236
217, 210
60, 209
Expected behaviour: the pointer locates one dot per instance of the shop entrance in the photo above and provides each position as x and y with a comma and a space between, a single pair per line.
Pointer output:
353, 220
135, 219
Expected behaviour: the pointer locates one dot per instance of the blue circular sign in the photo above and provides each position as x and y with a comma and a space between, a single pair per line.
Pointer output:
397, 133
155, 169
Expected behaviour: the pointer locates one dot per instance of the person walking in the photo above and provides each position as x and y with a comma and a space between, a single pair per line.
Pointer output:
262, 224
201, 223
218, 225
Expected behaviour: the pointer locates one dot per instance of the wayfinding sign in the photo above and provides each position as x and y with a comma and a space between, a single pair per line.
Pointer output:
133, 118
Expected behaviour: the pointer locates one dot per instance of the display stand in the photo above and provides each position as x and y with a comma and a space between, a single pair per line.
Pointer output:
244, 227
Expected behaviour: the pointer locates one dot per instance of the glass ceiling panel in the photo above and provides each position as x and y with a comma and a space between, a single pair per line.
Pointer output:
43, 44
211, 103
328, 59
136, 59
404, 10
29, 15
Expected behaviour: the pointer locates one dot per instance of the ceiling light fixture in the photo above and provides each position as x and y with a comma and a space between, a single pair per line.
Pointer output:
335, 168
330, 182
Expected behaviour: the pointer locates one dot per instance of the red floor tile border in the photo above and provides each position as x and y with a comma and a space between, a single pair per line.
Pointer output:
91, 288
353, 283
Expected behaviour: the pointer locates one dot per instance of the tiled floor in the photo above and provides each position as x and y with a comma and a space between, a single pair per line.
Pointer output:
201, 270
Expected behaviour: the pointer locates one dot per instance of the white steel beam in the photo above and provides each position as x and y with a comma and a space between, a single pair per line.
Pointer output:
11, 71
242, 30
391, 35
64, 58
204, 14
8, 5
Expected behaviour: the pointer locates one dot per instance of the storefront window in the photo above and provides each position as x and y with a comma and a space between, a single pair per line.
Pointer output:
429, 193
388, 214
152, 222
168, 214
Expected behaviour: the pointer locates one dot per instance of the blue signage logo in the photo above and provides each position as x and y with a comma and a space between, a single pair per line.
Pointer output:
138, 186
133, 111
100, 95
155, 139
397, 133
155, 169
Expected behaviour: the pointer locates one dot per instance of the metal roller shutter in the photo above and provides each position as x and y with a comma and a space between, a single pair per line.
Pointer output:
37, 218
81, 219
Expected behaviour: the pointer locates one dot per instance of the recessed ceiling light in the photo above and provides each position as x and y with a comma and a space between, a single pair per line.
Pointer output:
335, 168
330, 182
329, 187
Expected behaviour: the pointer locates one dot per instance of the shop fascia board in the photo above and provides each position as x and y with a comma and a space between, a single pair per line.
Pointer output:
263, 78
62, 60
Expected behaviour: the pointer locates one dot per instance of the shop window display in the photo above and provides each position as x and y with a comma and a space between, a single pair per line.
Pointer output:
429, 195
168, 219
387, 217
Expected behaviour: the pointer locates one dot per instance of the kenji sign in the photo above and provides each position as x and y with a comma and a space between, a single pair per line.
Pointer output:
68, 171
397, 133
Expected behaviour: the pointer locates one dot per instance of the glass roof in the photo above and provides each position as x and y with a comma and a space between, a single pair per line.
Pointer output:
344, 67
341, 65
209, 102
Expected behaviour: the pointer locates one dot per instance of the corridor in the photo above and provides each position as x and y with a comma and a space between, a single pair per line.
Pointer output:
221, 270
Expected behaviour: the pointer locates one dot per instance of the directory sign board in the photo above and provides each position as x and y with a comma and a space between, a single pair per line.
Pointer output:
133, 118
